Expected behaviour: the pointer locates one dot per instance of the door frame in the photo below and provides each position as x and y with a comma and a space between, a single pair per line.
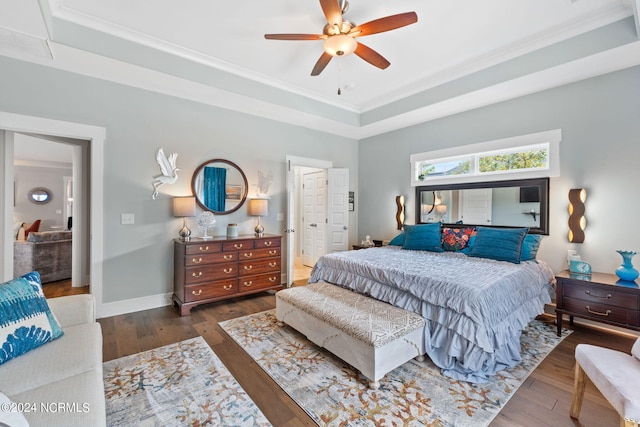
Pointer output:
96, 136
291, 163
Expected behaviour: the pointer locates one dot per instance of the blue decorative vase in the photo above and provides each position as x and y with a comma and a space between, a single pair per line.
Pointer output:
626, 270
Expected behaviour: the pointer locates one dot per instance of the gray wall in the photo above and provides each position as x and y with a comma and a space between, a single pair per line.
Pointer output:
138, 259
599, 151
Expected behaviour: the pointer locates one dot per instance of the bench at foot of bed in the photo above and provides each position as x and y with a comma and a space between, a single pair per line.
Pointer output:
372, 336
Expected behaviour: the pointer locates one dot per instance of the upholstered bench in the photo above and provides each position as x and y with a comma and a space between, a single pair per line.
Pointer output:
372, 336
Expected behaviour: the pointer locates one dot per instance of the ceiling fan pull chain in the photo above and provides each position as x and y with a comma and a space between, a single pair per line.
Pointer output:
339, 76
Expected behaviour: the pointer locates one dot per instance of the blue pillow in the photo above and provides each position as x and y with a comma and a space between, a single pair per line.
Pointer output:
423, 237
398, 240
501, 244
470, 244
530, 246
26, 322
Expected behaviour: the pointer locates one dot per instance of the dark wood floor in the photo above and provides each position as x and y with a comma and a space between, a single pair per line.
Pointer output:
543, 400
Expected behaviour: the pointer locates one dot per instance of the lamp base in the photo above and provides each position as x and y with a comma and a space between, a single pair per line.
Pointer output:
259, 230
184, 233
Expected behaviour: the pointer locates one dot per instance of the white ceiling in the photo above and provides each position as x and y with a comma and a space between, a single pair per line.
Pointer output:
461, 54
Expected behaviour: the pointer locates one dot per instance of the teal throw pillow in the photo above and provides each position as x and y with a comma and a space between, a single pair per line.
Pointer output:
500, 244
26, 322
530, 246
423, 237
398, 240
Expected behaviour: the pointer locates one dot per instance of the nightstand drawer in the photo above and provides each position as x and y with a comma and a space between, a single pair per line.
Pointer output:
210, 290
602, 311
601, 295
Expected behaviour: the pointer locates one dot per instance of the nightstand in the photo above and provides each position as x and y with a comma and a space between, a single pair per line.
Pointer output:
600, 297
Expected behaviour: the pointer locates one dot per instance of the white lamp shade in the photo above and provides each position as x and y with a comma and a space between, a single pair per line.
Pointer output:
258, 207
184, 206
441, 209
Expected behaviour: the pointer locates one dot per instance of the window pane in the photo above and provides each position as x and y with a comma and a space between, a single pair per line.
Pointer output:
443, 168
531, 159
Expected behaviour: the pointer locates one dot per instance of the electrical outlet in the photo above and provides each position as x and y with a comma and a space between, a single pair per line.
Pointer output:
127, 219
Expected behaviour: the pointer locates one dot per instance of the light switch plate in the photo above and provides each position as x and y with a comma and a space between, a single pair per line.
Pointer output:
127, 219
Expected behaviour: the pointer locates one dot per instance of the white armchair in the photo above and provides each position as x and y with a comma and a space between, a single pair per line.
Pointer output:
615, 374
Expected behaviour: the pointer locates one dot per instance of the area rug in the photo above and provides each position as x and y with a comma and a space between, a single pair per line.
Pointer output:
182, 384
415, 394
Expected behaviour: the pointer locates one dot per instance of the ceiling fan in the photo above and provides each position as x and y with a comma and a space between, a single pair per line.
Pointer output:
340, 35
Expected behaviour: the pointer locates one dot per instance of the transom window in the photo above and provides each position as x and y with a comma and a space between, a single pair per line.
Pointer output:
498, 160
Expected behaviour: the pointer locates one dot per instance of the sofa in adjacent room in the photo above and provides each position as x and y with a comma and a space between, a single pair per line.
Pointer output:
60, 382
48, 253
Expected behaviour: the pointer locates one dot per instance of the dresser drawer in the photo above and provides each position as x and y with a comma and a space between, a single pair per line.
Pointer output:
259, 253
261, 281
601, 295
207, 273
204, 248
268, 265
201, 259
268, 242
237, 245
601, 311
210, 290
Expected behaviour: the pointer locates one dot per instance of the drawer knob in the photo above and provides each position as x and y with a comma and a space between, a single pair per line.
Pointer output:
268, 243
248, 267
228, 257
248, 254
273, 264
203, 248
597, 296
198, 274
273, 279
196, 261
249, 283
196, 293
598, 313
273, 252
238, 246
228, 270
227, 287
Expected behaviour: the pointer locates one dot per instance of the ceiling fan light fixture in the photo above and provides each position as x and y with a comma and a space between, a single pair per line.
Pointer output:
340, 45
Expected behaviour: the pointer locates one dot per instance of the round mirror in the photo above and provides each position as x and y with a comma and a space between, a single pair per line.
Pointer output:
220, 186
39, 195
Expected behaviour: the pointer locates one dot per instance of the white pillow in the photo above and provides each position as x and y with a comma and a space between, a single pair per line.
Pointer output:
635, 350
9, 414
16, 229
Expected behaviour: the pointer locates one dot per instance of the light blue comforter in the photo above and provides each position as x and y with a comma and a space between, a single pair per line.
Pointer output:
475, 308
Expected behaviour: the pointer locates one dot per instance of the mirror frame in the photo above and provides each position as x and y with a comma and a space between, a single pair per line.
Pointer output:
541, 183
36, 190
244, 178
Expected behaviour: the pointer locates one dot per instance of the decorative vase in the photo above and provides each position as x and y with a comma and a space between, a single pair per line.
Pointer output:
626, 270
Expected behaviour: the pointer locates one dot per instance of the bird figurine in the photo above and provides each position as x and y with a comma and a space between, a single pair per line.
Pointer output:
264, 182
168, 169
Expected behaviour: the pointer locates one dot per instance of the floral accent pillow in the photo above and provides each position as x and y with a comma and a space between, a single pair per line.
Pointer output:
456, 239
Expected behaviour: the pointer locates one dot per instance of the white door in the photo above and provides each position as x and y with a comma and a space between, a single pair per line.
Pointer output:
476, 206
338, 217
314, 216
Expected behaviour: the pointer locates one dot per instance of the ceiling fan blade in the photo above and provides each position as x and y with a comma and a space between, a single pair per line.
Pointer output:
371, 56
385, 24
294, 36
332, 12
321, 64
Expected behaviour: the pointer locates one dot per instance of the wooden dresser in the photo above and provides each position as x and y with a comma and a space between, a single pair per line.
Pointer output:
598, 296
224, 267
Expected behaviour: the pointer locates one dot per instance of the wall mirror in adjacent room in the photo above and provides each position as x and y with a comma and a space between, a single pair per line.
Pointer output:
220, 186
515, 203
39, 195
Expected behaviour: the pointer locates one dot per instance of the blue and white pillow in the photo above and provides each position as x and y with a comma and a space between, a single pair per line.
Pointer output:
26, 322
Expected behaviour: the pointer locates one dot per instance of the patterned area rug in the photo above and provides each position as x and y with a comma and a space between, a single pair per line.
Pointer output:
415, 394
182, 384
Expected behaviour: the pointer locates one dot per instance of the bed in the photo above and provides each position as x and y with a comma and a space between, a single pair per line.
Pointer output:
475, 308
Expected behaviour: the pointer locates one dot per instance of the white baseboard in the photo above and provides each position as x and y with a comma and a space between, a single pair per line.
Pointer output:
133, 305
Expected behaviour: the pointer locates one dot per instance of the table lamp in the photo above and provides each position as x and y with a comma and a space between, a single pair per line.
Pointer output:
184, 207
258, 207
